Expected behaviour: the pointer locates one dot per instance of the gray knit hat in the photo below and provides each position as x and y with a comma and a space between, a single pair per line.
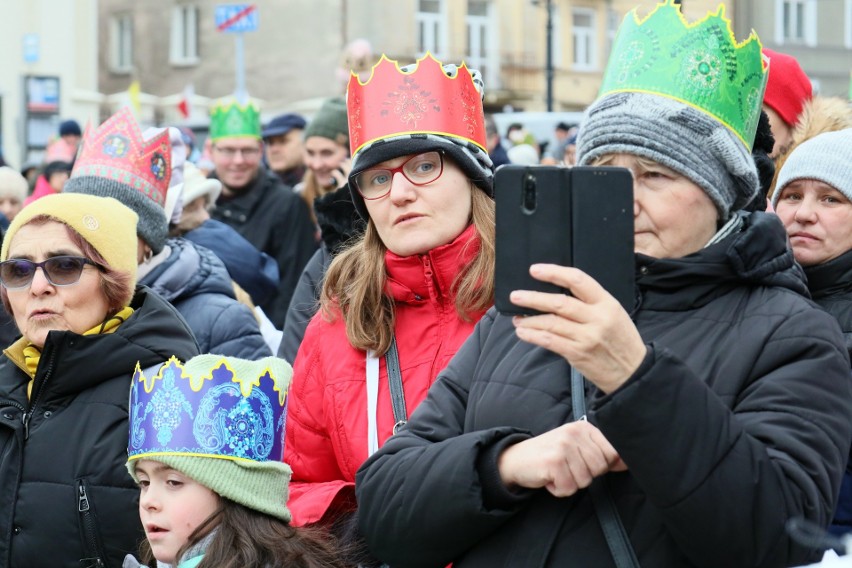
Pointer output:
675, 135
116, 161
473, 160
153, 226
827, 158
330, 122
218, 420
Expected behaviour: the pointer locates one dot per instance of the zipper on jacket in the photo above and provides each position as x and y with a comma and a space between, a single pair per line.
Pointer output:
430, 283
37, 390
94, 558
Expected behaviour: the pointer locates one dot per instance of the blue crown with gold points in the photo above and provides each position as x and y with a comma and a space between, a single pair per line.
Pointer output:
211, 406
699, 64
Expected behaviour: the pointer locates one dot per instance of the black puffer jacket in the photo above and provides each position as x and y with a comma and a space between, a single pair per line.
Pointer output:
339, 223
197, 283
276, 221
830, 284
66, 498
737, 420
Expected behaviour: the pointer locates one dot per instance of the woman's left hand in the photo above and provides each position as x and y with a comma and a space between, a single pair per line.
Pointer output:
590, 329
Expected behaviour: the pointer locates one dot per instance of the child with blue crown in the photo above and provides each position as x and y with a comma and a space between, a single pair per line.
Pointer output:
205, 446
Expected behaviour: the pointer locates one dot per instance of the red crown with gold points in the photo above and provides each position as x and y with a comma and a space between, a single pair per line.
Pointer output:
394, 102
116, 150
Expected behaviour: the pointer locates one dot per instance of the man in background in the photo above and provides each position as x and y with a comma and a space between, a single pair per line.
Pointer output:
282, 140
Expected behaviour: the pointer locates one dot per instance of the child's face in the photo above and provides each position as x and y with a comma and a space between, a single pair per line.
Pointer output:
171, 506
10, 206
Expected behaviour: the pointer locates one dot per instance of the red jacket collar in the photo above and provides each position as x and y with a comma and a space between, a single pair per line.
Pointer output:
416, 278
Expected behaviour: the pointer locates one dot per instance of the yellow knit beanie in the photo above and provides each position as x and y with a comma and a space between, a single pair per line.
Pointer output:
103, 222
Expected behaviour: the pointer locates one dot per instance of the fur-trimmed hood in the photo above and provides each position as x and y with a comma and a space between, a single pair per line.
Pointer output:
819, 115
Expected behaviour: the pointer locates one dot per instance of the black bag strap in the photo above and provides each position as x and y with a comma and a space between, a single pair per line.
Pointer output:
400, 414
608, 517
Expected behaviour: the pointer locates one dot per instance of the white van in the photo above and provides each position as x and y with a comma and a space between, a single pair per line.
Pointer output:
540, 124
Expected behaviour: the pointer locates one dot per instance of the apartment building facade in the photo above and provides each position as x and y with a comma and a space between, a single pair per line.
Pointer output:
293, 60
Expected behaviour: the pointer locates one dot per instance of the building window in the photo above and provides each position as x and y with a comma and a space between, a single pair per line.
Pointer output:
556, 47
795, 22
848, 17
431, 27
613, 20
480, 51
585, 43
184, 43
121, 43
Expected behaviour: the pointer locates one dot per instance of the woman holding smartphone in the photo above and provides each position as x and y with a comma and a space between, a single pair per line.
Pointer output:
714, 410
399, 301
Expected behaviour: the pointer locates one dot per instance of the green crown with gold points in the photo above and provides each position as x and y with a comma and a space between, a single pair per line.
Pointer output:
231, 119
699, 64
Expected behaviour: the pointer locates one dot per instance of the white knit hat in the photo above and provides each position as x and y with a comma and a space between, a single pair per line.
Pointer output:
827, 158
195, 185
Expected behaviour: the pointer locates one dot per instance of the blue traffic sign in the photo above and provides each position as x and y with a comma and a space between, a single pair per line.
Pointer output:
236, 18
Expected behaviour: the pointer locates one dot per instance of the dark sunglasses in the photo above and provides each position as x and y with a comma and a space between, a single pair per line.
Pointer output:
18, 273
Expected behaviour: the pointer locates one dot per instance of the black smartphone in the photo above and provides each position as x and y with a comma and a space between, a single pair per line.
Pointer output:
581, 217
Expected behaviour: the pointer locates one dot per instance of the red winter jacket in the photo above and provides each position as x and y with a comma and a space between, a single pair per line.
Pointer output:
326, 439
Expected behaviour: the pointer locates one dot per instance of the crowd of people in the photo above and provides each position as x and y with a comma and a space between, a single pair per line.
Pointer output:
287, 354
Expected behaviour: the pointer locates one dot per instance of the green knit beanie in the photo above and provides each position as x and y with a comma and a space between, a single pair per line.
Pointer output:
330, 122
219, 421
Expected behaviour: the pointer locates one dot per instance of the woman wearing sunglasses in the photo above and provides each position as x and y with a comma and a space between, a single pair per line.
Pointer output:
404, 295
68, 275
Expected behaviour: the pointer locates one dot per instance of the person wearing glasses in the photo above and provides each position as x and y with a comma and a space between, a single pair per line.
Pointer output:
684, 430
404, 295
68, 276
256, 203
191, 277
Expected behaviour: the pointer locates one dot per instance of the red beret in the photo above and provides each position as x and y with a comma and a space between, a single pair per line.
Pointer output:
788, 87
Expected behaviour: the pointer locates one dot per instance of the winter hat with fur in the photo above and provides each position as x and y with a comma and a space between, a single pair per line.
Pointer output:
826, 158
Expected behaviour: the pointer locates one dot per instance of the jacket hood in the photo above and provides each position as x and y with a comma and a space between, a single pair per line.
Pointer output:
190, 269
756, 255
819, 115
153, 333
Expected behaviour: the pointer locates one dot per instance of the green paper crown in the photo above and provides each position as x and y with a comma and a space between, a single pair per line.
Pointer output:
699, 64
230, 119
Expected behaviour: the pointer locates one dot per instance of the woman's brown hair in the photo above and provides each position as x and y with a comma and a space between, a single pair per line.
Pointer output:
114, 284
310, 190
246, 538
354, 284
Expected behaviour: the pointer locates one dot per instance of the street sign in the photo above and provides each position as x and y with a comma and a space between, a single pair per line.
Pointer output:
236, 18
31, 50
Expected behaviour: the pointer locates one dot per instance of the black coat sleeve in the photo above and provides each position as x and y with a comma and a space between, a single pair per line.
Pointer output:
304, 304
294, 245
433, 461
726, 477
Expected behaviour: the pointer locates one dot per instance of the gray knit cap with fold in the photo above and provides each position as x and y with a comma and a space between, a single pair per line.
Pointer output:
675, 135
826, 158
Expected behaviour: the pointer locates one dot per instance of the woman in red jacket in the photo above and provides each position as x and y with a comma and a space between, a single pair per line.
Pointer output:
408, 292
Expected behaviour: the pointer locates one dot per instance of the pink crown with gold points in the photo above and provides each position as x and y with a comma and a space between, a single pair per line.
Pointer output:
117, 151
427, 100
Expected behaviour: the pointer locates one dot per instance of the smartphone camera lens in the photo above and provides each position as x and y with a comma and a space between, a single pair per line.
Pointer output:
529, 193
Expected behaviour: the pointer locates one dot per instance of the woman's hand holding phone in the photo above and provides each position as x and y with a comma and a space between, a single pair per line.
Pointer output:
341, 173
589, 328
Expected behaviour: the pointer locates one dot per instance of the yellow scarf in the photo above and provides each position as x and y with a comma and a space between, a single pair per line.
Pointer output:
32, 354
